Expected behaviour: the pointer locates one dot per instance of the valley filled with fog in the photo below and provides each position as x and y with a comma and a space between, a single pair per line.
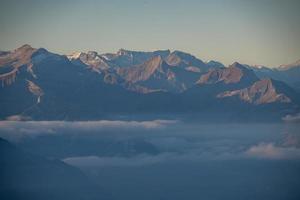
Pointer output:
171, 159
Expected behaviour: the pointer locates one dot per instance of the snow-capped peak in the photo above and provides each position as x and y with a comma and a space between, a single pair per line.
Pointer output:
258, 66
74, 55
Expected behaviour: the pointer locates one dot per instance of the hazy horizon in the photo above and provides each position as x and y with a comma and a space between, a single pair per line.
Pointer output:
257, 32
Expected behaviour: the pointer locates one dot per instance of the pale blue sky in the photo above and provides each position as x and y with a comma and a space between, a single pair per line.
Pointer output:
263, 32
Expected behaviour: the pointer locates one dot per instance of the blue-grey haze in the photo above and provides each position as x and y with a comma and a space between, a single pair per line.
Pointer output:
171, 159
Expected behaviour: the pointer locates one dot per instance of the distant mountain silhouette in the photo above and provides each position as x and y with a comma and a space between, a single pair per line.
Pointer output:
288, 73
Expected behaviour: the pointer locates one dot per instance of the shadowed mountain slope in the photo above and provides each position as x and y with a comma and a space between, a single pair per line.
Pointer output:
26, 176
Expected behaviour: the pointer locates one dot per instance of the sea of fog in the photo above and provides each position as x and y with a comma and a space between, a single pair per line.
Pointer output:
172, 159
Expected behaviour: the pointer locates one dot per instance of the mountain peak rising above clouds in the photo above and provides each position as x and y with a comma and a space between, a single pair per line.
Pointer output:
133, 82
74, 55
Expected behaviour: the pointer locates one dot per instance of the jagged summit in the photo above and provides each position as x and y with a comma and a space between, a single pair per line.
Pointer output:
183, 60
214, 64
18, 57
74, 55
91, 59
233, 74
237, 65
182, 53
261, 92
122, 52
24, 47
157, 75
144, 71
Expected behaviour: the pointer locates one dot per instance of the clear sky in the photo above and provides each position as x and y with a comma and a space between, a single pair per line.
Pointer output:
263, 32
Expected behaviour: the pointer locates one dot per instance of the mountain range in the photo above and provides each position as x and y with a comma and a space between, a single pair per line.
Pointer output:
41, 85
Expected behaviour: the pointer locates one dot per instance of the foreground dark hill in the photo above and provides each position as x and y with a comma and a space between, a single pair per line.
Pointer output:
26, 176
40, 85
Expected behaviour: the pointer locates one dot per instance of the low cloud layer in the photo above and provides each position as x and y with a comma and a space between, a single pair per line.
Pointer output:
137, 143
34, 128
261, 151
95, 161
145, 159
292, 118
271, 151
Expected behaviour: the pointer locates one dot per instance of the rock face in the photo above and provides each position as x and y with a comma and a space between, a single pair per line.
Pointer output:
235, 73
126, 58
261, 92
90, 59
156, 74
35, 90
8, 78
24, 56
18, 57
185, 60
13, 60
144, 71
